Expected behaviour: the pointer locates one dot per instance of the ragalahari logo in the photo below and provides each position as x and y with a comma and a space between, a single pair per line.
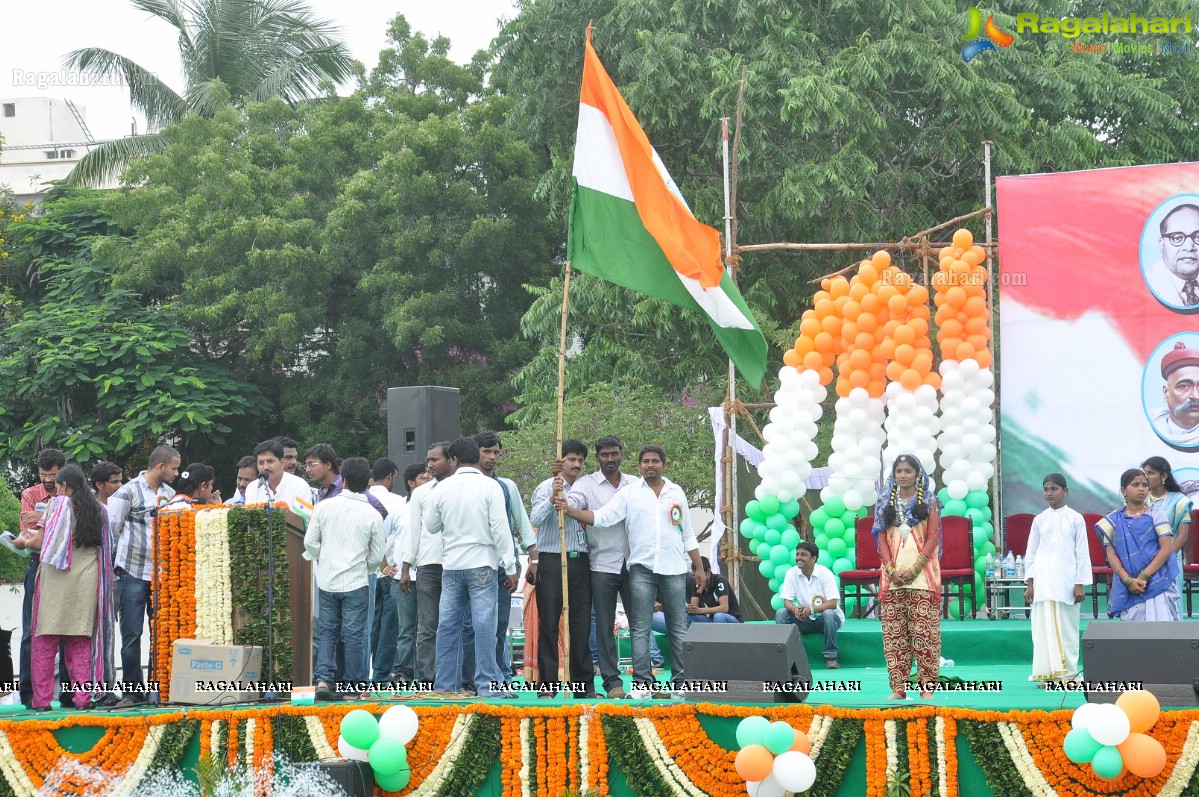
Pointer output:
983, 36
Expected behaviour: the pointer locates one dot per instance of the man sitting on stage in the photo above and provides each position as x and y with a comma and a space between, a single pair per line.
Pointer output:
716, 604
346, 538
805, 602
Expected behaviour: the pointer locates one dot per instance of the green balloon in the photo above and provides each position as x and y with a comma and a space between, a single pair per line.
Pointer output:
988, 548
850, 519
779, 737
780, 555
850, 535
986, 510
776, 602
979, 580
747, 528
775, 583
818, 518
773, 536
980, 537
1080, 747
387, 755
955, 506
943, 495
766, 568
850, 607
834, 528
821, 541
1108, 763
836, 547
975, 515
840, 566
980, 564
954, 612
990, 527
759, 529
977, 499
770, 505
394, 782
825, 559
761, 548
790, 539
754, 510
751, 730
834, 506
790, 509
360, 729
777, 521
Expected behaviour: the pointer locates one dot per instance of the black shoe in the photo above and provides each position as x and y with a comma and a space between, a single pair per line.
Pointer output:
107, 700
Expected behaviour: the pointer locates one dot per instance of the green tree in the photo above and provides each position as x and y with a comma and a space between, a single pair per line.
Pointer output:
244, 50
89, 368
12, 567
861, 123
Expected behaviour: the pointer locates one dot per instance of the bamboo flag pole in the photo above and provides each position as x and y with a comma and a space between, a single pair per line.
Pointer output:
561, 513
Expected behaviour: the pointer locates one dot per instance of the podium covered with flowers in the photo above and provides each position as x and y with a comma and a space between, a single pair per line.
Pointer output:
214, 582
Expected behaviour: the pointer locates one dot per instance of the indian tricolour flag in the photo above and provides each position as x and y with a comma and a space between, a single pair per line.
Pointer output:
630, 225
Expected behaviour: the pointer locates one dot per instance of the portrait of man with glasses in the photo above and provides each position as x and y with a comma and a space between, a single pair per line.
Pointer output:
1174, 280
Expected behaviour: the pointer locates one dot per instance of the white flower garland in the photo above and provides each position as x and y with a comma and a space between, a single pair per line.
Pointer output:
316, 735
525, 758
251, 724
671, 773
1022, 759
214, 738
137, 771
584, 763
1184, 770
942, 765
214, 594
432, 784
818, 733
889, 733
14, 773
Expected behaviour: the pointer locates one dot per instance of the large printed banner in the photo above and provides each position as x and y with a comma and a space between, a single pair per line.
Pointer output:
1099, 330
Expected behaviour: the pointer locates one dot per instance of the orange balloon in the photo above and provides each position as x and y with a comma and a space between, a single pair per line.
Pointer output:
895, 371
948, 346
918, 295
919, 326
858, 291
939, 299
876, 389
810, 325
1143, 755
843, 387
983, 358
886, 292
976, 326
826, 376
839, 287
824, 308
922, 363
803, 346
905, 334
881, 259
1142, 709
933, 380
975, 306
922, 343
910, 379
868, 273
897, 303
791, 358
802, 744
813, 360
877, 371
955, 296
825, 283
867, 322
871, 304
974, 255
963, 239
849, 330
977, 341
851, 310
888, 347
829, 359
889, 328
839, 303
904, 353
940, 281
755, 762
864, 340
859, 378
859, 359
944, 252
964, 351
920, 311
830, 324
958, 270
823, 342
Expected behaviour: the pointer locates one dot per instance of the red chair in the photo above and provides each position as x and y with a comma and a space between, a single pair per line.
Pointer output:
1190, 570
1016, 529
864, 578
1100, 572
957, 561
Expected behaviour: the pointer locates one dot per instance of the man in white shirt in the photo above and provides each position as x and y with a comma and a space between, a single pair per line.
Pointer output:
247, 472
389, 599
346, 537
421, 555
279, 486
806, 601
658, 522
468, 512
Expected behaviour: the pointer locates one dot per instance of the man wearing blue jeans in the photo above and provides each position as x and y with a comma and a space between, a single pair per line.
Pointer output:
467, 510
806, 601
346, 539
132, 514
658, 522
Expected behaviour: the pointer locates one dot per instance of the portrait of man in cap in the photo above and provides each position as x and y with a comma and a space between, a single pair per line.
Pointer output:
1178, 422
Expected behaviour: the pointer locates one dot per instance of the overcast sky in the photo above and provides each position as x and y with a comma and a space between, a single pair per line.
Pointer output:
34, 37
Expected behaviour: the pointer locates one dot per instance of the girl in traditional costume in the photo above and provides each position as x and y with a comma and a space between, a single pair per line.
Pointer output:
1139, 545
1166, 494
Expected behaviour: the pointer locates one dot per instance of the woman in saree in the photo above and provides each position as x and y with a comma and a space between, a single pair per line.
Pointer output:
1166, 494
907, 527
1139, 545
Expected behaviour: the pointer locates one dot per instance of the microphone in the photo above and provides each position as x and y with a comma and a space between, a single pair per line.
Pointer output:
262, 478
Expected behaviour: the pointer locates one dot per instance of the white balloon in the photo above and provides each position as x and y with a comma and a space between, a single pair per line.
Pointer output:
986, 452
399, 722
969, 367
788, 376
769, 787
927, 459
957, 489
762, 490
950, 382
987, 470
784, 494
970, 406
1111, 726
858, 396
772, 433
353, 753
794, 771
948, 367
826, 493
976, 481
970, 443
986, 377
853, 502
987, 433
790, 482
1085, 715
926, 395
857, 419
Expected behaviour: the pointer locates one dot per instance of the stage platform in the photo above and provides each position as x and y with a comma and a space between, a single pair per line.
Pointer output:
1002, 742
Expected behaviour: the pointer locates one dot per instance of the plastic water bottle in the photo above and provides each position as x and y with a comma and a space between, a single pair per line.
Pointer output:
990, 566
1020, 567
1009, 565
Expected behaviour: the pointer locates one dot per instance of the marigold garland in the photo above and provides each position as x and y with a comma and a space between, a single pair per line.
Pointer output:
951, 756
876, 758
176, 584
918, 768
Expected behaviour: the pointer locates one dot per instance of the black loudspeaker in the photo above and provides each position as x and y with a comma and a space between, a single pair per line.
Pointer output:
418, 417
755, 659
356, 778
1163, 657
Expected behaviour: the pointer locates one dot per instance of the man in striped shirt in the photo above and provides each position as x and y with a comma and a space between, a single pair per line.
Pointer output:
132, 516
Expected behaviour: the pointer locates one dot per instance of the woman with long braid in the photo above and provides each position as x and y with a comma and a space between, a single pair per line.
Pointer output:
907, 526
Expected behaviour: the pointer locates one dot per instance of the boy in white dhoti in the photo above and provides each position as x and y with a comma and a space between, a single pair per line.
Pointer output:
1058, 566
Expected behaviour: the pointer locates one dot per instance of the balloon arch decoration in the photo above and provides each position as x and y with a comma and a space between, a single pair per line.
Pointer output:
869, 334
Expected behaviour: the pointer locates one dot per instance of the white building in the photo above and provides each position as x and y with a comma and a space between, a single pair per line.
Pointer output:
41, 139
